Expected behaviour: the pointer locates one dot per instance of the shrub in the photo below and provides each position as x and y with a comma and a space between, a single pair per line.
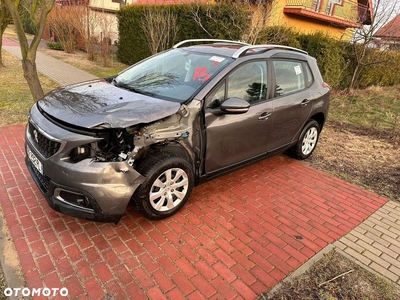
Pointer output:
55, 46
216, 22
279, 35
333, 57
27, 23
62, 22
381, 68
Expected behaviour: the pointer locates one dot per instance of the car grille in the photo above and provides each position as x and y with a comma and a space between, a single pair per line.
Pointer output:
43, 179
45, 146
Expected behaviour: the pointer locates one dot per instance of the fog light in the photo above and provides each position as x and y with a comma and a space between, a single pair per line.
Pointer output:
82, 201
72, 198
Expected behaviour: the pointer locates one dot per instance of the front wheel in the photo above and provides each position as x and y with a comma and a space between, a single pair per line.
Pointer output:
307, 142
168, 184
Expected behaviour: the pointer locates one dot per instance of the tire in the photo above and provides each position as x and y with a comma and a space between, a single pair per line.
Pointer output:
307, 142
168, 185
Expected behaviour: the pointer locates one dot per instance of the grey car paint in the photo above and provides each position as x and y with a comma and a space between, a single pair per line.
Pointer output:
265, 129
99, 102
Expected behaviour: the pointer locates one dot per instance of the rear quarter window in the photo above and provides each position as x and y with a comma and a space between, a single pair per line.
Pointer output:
309, 76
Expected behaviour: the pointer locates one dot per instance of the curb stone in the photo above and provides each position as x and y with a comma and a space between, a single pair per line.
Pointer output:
9, 260
301, 270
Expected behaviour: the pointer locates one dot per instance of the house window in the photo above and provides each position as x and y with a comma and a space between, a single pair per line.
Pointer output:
331, 6
316, 5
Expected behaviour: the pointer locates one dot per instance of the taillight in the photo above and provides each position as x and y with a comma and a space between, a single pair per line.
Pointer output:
325, 85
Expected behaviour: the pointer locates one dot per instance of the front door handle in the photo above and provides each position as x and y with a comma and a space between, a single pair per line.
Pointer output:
305, 102
264, 116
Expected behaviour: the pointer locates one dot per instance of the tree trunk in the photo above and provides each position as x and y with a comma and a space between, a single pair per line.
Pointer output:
32, 78
3, 26
354, 78
1, 52
28, 50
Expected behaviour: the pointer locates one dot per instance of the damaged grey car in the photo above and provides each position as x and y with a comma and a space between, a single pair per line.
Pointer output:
148, 135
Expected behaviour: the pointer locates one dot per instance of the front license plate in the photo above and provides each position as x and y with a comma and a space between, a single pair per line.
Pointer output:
34, 160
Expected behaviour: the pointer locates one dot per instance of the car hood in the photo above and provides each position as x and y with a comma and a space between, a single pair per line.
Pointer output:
90, 104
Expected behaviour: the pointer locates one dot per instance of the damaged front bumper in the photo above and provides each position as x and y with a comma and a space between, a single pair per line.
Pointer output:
97, 191
96, 199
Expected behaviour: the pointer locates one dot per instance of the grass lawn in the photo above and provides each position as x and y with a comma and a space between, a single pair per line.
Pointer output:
335, 277
374, 108
3, 286
15, 97
79, 60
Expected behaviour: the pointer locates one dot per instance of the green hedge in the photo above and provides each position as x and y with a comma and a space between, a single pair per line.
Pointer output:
336, 59
133, 44
381, 68
279, 35
333, 57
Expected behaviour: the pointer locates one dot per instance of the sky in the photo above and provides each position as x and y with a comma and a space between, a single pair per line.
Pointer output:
386, 10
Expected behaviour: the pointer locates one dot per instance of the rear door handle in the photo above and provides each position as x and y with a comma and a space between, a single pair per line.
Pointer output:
305, 102
264, 116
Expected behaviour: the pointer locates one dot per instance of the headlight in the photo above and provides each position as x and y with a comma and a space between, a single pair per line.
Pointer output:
79, 153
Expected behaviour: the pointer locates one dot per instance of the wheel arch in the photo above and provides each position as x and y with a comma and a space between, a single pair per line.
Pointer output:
320, 118
154, 166
179, 148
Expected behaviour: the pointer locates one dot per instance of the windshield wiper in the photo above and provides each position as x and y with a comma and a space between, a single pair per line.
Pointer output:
128, 87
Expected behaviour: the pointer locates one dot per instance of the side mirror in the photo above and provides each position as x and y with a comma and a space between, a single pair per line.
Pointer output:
235, 106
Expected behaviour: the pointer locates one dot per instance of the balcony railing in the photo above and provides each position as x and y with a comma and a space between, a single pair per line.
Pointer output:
350, 14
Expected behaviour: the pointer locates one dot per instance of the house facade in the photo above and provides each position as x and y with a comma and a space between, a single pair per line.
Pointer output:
388, 37
337, 18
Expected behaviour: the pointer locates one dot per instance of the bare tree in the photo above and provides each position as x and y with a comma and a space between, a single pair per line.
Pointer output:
62, 21
248, 17
260, 12
5, 19
105, 23
383, 11
38, 11
85, 22
73, 22
160, 28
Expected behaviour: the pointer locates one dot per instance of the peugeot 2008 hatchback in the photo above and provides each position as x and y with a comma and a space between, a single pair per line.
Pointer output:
169, 122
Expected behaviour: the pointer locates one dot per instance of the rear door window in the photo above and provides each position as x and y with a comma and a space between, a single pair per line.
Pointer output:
289, 77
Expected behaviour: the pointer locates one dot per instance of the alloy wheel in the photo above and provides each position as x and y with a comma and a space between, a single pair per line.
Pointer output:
309, 140
169, 189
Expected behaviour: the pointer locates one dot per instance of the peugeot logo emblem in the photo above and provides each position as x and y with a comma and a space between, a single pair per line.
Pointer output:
35, 133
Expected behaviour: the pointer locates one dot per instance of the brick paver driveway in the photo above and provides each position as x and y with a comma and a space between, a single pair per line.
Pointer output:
237, 236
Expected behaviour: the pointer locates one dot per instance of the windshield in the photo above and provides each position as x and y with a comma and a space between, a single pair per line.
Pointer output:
173, 75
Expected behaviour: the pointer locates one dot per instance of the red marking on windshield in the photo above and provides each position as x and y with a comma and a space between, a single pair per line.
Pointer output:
201, 72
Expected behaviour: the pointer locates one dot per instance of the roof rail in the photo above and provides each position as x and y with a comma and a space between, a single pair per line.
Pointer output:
244, 49
210, 40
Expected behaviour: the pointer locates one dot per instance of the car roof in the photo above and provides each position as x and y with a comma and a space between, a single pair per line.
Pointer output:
234, 49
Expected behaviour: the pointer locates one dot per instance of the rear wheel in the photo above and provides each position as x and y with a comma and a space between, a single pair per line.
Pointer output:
168, 185
307, 142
